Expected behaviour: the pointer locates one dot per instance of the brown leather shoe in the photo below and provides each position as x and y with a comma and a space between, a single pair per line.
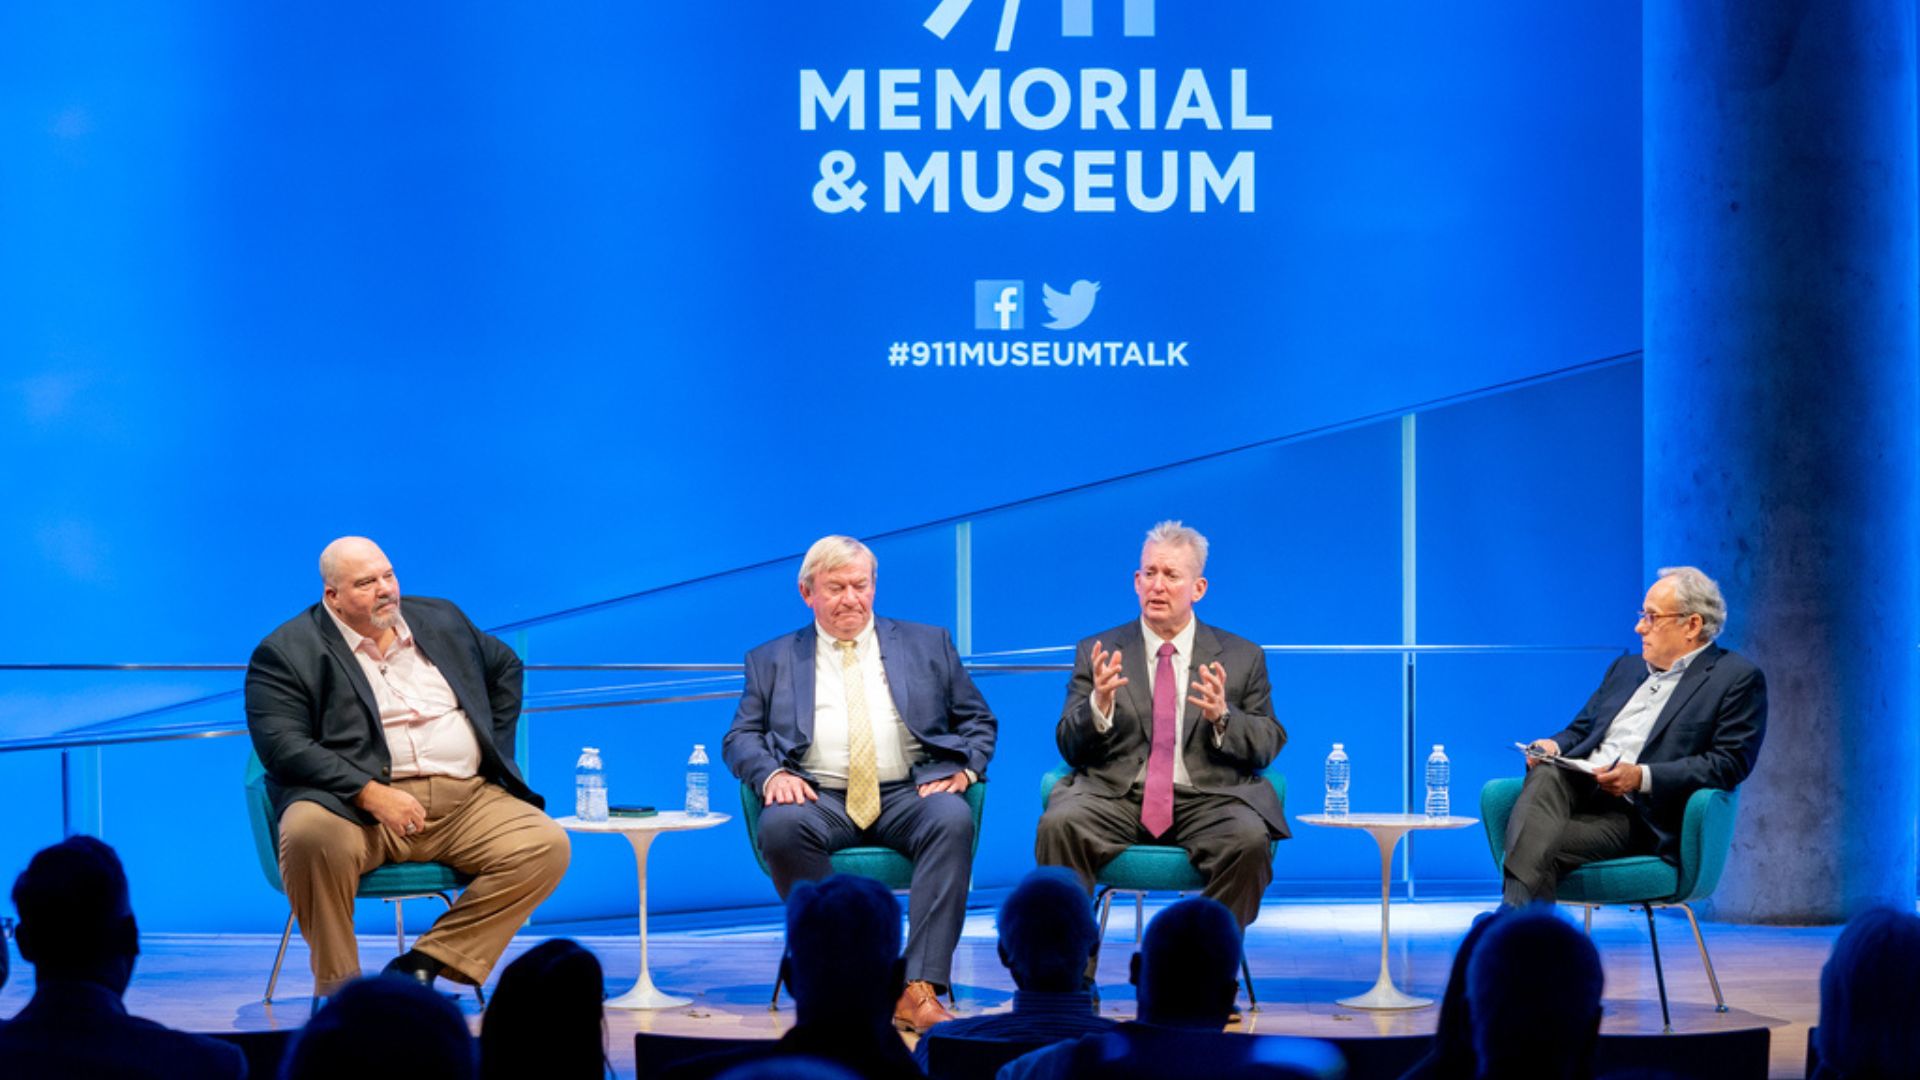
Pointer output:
919, 1008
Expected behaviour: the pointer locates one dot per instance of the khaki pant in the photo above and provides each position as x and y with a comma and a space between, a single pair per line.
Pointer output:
515, 853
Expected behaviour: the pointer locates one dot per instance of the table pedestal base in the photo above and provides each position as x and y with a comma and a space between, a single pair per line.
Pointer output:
1385, 995
645, 995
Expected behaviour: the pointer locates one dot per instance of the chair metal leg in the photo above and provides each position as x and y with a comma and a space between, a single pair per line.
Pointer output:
1246, 976
399, 928
1139, 904
1653, 938
1105, 902
779, 978
1719, 1001
285, 933
1588, 908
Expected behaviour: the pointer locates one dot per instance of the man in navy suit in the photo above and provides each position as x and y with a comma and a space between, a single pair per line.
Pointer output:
863, 730
1685, 714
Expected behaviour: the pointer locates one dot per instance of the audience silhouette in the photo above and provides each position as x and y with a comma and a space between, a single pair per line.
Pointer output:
1047, 932
389, 1027
1869, 996
545, 1018
1184, 975
77, 930
1533, 996
1452, 1057
844, 969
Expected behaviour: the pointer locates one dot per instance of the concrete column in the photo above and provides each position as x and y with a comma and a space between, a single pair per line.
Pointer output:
1782, 414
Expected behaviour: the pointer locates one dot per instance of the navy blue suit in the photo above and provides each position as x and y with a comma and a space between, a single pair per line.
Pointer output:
1708, 735
939, 704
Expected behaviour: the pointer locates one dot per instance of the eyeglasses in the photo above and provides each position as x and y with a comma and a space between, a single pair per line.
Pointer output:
1656, 616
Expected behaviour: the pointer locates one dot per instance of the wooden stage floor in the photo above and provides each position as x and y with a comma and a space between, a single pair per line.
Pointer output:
1304, 956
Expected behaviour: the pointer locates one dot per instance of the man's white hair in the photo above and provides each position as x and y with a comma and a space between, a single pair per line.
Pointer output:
832, 553
1698, 594
1174, 534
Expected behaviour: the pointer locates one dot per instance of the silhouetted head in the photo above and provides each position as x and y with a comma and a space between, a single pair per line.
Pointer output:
389, 1026
1533, 992
1869, 995
1184, 971
1047, 931
843, 951
1452, 1052
545, 1018
75, 919
789, 1067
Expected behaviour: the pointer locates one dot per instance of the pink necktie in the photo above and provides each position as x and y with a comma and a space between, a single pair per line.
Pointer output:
1156, 808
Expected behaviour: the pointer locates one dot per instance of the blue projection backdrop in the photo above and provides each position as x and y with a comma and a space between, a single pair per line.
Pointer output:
546, 301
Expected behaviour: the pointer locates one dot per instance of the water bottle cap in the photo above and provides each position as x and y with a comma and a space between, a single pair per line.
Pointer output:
1437, 748
699, 746
1339, 746
589, 749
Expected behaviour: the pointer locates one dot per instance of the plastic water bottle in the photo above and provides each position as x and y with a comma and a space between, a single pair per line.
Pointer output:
697, 782
1439, 772
589, 787
1339, 771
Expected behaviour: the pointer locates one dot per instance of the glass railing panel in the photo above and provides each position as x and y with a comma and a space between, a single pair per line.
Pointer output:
49, 703
1478, 705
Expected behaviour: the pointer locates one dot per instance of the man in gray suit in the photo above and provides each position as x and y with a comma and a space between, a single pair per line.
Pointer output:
1167, 725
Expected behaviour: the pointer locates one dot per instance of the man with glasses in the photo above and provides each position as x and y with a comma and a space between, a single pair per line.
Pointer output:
1685, 714
1167, 725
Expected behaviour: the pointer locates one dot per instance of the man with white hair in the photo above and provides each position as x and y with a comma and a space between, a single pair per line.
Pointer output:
1685, 714
386, 727
1168, 723
856, 730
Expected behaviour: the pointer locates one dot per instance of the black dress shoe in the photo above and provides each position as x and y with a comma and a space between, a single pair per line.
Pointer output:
414, 965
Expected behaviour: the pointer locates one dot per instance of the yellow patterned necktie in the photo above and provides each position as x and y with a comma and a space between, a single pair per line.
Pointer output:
863, 775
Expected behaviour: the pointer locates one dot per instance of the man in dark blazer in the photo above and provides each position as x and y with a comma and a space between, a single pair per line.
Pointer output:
862, 730
387, 730
1167, 725
1685, 714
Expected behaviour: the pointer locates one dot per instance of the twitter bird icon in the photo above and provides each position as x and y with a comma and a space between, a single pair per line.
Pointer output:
1071, 308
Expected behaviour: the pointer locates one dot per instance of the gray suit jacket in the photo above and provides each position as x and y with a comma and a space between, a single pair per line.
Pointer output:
1108, 762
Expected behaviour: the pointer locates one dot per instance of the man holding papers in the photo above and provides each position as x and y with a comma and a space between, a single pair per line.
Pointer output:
1685, 714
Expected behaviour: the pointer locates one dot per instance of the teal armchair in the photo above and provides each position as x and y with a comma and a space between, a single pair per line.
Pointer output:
1145, 868
393, 883
1645, 881
882, 864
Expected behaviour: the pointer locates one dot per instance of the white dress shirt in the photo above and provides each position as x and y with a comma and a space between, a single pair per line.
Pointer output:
894, 747
427, 731
1627, 735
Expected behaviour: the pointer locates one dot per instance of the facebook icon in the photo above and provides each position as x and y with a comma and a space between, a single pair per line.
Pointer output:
999, 305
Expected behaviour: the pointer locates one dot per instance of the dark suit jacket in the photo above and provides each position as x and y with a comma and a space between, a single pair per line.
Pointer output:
315, 723
936, 698
80, 1029
1707, 736
1109, 762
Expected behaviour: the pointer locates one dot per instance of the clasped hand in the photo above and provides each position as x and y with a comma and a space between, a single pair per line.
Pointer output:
392, 807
